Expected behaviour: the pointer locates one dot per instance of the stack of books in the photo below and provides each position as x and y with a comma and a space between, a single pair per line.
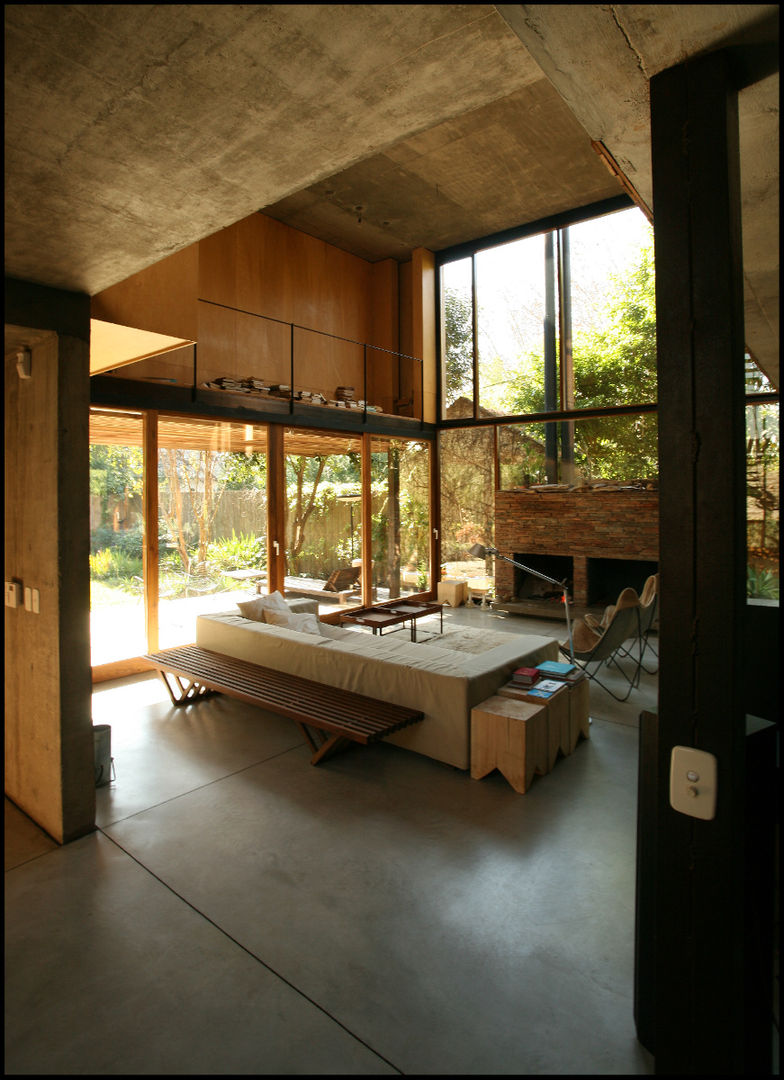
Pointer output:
525, 676
545, 688
560, 672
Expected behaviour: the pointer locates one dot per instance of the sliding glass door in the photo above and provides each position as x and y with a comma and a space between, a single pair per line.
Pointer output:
400, 493
117, 628
323, 517
212, 520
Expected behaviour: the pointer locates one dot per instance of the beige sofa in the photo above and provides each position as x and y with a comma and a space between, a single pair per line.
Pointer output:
443, 682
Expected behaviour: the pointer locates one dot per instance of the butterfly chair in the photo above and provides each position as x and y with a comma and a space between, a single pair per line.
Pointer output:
594, 647
649, 605
649, 609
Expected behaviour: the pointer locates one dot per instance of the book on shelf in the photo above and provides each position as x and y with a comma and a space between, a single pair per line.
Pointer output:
525, 676
550, 686
554, 669
537, 692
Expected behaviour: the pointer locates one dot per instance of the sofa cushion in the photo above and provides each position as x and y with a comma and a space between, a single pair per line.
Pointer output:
254, 609
306, 624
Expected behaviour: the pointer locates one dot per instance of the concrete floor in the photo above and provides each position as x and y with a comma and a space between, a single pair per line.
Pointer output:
238, 911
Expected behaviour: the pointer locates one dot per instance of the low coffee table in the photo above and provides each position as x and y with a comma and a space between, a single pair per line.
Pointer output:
393, 614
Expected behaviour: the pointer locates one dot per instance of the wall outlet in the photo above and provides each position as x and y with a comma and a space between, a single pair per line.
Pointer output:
28, 598
13, 593
693, 782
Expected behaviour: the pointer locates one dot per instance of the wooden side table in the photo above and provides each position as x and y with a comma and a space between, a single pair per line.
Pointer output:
567, 715
511, 736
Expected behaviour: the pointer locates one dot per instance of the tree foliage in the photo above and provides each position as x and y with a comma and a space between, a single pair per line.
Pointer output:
614, 364
458, 344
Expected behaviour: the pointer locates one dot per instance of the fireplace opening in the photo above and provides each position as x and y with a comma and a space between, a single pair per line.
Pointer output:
529, 587
608, 577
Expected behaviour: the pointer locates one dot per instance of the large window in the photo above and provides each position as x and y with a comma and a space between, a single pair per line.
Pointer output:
117, 627
466, 498
560, 321
763, 522
323, 517
212, 520
400, 518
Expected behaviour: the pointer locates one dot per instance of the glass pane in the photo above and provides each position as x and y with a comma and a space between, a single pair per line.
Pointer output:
467, 503
457, 339
617, 450
323, 518
762, 494
613, 450
511, 301
521, 455
117, 630
212, 520
400, 492
613, 311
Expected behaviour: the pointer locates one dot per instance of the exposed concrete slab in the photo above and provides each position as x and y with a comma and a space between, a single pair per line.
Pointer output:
600, 59
133, 131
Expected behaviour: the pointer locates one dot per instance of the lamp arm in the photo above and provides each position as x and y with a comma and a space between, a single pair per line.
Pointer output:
543, 577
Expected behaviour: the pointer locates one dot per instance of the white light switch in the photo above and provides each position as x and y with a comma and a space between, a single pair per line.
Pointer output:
693, 782
13, 593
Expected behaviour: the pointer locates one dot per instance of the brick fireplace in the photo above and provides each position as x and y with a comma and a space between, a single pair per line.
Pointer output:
598, 540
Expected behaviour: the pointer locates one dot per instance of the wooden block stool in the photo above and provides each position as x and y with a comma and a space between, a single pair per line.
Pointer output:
579, 710
510, 736
557, 718
452, 591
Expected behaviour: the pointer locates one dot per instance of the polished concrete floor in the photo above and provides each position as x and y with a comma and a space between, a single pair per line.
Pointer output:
238, 911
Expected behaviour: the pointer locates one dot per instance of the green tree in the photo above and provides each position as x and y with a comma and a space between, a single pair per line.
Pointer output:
613, 365
116, 472
458, 345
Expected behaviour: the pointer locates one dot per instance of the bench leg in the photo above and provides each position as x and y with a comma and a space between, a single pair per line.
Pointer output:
184, 693
323, 746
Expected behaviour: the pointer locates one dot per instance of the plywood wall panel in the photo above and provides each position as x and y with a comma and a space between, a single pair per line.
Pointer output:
268, 268
385, 332
161, 298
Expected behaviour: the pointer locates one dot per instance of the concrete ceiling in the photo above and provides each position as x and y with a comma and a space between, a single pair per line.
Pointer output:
133, 131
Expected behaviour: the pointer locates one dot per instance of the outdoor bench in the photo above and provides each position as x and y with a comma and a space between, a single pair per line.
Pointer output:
327, 716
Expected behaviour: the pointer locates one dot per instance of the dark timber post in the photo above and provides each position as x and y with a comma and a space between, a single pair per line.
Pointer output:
550, 360
697, 883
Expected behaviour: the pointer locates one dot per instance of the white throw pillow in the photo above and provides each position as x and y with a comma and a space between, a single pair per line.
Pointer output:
305, 622
255, 608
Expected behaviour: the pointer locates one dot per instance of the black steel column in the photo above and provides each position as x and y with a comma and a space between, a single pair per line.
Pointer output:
567, 363
550, 360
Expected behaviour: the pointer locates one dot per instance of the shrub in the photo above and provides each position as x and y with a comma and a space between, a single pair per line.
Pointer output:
238, 552
113, 564
761, 584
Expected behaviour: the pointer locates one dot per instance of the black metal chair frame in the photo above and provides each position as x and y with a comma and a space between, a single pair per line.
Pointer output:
624, 624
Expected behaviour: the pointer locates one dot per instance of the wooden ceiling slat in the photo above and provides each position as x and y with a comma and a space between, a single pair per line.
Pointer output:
119, 428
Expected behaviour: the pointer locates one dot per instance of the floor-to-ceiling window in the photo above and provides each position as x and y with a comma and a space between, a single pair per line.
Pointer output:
117, 622
763, 524
323, 483
212, 520
400, 488
555, 321
205, 486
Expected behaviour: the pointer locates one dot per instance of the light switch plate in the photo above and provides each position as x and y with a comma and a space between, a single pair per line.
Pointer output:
13, 593
693, 782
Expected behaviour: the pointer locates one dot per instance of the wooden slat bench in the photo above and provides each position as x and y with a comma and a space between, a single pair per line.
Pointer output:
328, 717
